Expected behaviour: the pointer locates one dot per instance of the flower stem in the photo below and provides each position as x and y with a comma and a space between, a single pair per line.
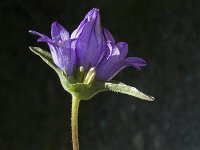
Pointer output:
74, 121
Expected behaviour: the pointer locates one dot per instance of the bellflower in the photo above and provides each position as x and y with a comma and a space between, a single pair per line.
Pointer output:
86, 60
90, 47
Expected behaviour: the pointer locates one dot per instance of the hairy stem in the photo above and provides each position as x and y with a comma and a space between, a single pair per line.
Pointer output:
74, 122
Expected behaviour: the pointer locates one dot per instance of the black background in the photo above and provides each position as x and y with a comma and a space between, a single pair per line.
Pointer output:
35, 110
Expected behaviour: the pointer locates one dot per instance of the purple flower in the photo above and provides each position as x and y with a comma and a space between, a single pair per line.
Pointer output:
89, 46
62, 51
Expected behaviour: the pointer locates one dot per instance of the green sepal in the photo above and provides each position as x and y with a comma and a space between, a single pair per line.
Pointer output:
126, 89
86, 91
66, 81
46, 57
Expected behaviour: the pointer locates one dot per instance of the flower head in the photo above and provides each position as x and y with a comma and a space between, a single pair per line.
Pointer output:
86, 61
89, 46
60, 45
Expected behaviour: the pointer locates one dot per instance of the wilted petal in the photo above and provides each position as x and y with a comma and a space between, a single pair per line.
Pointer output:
58, 33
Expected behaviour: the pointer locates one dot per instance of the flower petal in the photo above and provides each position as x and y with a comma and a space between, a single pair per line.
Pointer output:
72, 59
75, 34
136, 62
58, 33
65, 57
43, 38
62, 53
55, 54
89, 43
123, 47
108, 36
130, 61
114, 63
106, 65
36, 33
108, 73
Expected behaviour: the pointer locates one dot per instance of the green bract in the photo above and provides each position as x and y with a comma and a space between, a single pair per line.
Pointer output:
89, 87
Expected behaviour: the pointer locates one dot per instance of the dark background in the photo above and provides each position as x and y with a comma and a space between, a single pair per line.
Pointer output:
35, 110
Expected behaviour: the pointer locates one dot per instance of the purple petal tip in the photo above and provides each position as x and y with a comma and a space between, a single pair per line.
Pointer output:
92, 14
35, 33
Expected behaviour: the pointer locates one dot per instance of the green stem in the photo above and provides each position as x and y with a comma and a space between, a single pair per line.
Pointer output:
74, 122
